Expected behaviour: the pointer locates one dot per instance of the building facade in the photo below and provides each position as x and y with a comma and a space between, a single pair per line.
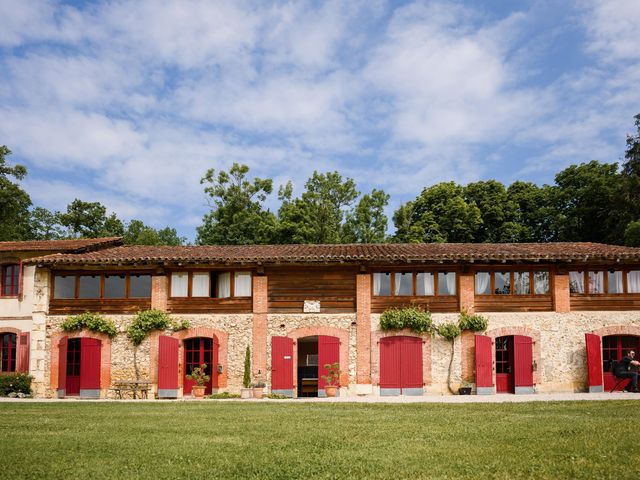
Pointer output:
558, 314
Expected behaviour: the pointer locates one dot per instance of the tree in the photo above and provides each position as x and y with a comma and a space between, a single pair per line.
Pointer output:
536, 214
631, 175
237, 216
497, 211
90, 220
45, 225
137, 233
368, 222
632, 234
14, 201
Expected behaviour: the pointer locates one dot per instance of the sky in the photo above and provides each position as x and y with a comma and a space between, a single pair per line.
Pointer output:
129, 102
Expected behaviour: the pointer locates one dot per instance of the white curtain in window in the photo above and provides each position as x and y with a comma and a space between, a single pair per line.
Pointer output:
424, 283
242, 284
615, 282
541, 283
200, 285
596, 282
224, 285
576, 282
633, 281
483, 283
376, 283
179, 284
451, 283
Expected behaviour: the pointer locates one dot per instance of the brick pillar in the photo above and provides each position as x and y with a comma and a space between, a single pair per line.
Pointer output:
467, 292
159, 292
363, 332
468, 356
259, 337
561, 298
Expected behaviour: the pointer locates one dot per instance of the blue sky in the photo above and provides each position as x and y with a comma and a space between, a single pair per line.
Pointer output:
129, 102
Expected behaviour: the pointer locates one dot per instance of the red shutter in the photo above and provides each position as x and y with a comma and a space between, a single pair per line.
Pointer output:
594, 362
214, 361
90, 367
484, 364
282, 365
20, 280
523, 364
62, 366
167, 367
23, 352
390, 365
328, 352
411, 355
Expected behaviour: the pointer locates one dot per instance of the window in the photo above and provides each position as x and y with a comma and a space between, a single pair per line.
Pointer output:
502, 283
633, 281
8, 352
406, 284
596, 282
576, 282
614, 347
211, 284
614, 282
483, 283
541, 283
10, 280
512, 283
599, 282
521, 283
96, 286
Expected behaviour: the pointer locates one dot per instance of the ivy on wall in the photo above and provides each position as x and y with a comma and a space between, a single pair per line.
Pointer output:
415, 319
94, 322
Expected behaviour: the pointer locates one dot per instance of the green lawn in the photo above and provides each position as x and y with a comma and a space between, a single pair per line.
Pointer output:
304, 440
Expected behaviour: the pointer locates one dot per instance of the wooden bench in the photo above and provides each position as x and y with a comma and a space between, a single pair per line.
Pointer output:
137, 389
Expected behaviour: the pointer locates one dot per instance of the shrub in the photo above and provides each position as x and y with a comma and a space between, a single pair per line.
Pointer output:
93, 322
277, 396
449, 331
415, 319
223, 395
333, 374
199, 375
149, 320
15, 383
475, 323
246, 379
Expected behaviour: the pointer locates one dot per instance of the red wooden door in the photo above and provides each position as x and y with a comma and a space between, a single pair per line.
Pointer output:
411, 360
24, 345
328, 353
614, 347
594, 361
484, 365
90, 367
523, 364
73, 363
62, 366
282, 365
504, 365
198, 351
390, 366
167, 367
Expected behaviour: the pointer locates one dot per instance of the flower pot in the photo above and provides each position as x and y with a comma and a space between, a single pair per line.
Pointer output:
331, 390
258, 392
464, 391
246, 392
198, 391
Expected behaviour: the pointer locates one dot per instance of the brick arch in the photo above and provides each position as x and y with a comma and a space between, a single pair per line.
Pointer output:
17, 331
518, 330
105, 356
618, 330
375, 353
181, 335
343, 336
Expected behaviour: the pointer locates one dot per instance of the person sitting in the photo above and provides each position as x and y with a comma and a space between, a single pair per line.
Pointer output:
623, 370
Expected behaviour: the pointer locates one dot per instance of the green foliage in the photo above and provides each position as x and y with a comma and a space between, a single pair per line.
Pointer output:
259, 384
333, 374
14, 201
45, 225
277, 396
90, 220
224, 395
246, 379
415, 319
632, 234
199, 375
94, 322
137, 233
237, 215
475, 323
150, 320
15, 383
449, 331
368, 222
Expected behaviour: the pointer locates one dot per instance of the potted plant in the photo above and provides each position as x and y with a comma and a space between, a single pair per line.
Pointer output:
247, 391
258, 389
332, 379
199, 376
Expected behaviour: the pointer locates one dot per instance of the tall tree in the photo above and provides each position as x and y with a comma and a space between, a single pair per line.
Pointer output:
45, 225
238, 216
14, 201
497, 211
368, 222
631, 182
90, 220
536, 215
137, 233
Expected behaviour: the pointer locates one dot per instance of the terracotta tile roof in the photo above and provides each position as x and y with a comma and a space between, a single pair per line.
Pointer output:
391, 253
67, 246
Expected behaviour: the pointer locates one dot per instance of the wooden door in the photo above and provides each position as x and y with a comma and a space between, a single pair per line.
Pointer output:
24, 347
328, 353
197, 351
62, 367
89, 385
167, 367
484, 365
411, 360
594, 362
73, 365
282, 366
504, 365
523, 364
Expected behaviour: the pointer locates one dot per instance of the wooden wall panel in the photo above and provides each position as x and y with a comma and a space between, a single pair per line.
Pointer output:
444, 304
119, 305
605, 302
210, 305
514, 303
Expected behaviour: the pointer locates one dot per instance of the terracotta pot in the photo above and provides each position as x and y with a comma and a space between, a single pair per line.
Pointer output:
198, 391
331, 390
246, 392
258, 392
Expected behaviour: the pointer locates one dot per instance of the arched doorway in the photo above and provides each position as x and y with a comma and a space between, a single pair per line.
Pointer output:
614, 347
514, 365
198, 351
504, 364
79, 367
401, 365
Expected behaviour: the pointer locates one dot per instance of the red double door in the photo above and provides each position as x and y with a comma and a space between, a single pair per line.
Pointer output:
602, 352
79, 367
401, 366
513, 361
282, 378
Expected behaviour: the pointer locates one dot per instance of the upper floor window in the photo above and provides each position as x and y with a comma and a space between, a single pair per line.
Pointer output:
597, 282
512, 283
211, 284
10, 280
102, 286
407, 284
8, 352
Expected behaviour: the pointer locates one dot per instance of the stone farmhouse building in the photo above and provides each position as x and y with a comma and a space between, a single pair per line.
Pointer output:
558, 314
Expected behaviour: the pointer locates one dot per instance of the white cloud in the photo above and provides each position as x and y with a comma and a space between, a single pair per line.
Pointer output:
614, 28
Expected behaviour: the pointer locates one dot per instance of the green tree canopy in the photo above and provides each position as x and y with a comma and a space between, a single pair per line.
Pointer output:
90, 220
368, 222
14, 201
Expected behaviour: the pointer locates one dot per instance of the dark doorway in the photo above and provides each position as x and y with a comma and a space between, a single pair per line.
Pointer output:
504, 365
308, 367
73, 368
197, 351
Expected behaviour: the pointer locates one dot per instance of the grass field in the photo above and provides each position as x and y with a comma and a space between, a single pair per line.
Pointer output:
312, 440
